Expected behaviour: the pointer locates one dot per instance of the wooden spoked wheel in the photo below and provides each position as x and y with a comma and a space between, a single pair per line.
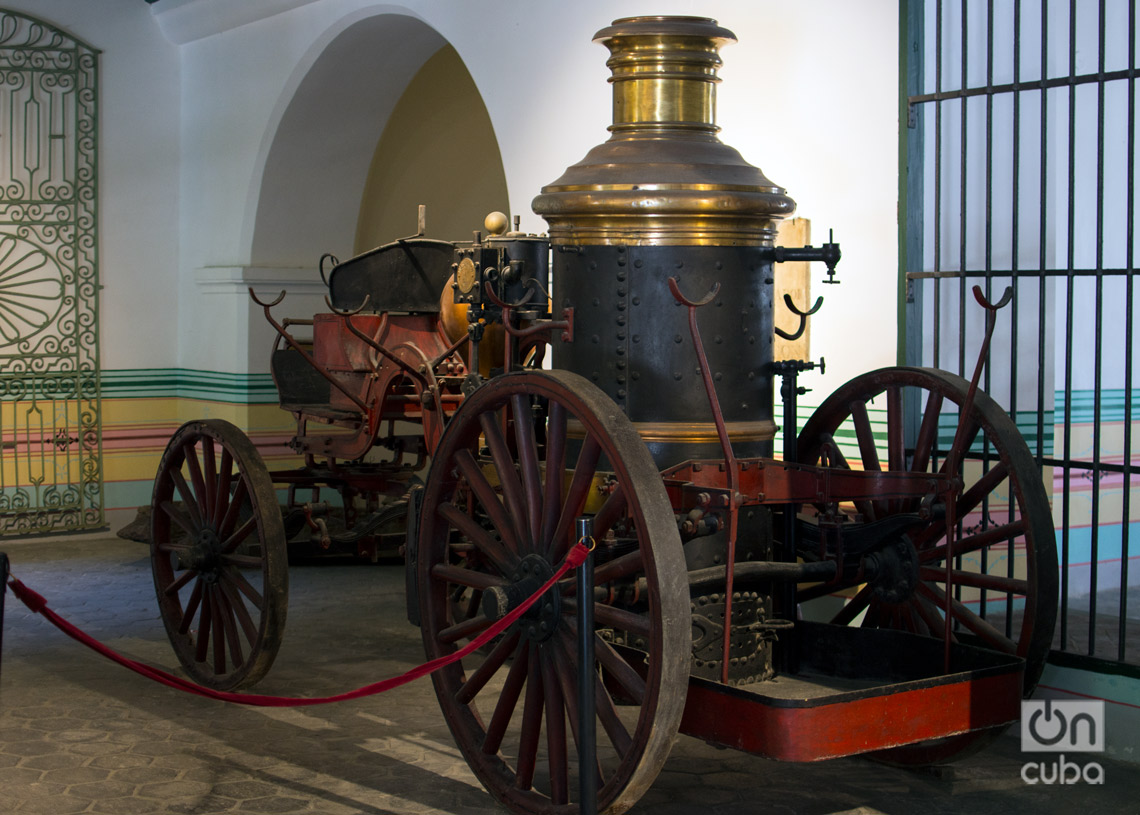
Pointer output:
524, 456
218, 555
1003, 574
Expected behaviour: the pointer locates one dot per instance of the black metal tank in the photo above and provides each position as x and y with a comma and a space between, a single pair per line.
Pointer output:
664, 197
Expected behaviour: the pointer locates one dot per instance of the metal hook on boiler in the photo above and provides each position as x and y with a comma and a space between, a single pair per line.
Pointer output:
803, 315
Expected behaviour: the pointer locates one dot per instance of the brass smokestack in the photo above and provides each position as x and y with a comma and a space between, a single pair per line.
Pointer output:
663, 177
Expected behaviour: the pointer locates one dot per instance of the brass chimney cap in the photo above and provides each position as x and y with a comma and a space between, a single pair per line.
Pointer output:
663, 177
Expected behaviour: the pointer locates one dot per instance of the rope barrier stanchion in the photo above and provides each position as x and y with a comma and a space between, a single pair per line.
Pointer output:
36, 603
3, 594
587, 736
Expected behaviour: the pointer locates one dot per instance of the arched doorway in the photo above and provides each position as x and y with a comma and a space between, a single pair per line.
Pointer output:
386, 110
383, 120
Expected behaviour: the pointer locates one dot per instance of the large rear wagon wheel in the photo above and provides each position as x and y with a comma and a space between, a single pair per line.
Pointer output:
1003, 592
218, 555
522, 458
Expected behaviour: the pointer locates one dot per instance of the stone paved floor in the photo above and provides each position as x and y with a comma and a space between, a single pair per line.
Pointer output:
79, 734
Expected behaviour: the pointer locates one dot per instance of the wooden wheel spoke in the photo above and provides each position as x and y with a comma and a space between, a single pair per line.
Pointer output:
835, 458
229, 620
556, 755
218, 634
501, 558
607, 714
210, 474
186, 524
580, 484
509, 482
896, 443
500, 519
241, 613
620, 618
621, 566
243, 561
929, 614
868, 451
233, 509
531, 723
977, 580
823, 590
189, 450
460, 576
204, 621
241, 584
508, 699
191, 608
849, 612
189, 499
975, 542
981, 489
555, 473
609, 512
629, 679
487, 668
527, 448
909, 621
225, 482
179, 582
461, 630
968, 618
239, 535
927, 433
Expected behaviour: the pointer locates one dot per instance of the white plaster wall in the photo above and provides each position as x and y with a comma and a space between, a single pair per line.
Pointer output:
138, 173
809, 95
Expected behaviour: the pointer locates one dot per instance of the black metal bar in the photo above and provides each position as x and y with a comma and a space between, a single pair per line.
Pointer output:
1015, 262
587, 735
1066, 474
963, 221
988, 262
1126, 508
1098, 323
1015, 273
1041, 247
937, 350
1125, 74
3, 593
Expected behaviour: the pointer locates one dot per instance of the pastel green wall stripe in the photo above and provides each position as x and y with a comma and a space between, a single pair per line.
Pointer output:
1112, 403
187, 383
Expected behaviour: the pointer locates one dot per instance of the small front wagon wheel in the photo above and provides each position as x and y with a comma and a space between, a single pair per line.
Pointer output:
218, 555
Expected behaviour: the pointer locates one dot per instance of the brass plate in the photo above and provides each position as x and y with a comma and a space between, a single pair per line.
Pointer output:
466, 275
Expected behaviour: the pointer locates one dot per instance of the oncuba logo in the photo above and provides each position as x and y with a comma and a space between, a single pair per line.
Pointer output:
1060, 726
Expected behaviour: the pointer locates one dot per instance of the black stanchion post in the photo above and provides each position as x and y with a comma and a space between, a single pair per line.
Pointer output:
587, 747
3, 594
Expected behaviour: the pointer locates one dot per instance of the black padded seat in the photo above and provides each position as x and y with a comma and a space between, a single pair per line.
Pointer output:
407, 275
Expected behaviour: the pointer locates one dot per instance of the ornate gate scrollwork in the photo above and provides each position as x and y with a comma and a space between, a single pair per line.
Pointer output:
50, 442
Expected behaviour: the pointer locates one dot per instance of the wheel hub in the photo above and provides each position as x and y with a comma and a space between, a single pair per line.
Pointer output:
204, 555
895, 570
541, 620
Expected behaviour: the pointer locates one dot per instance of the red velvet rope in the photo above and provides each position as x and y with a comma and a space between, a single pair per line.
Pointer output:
38, 604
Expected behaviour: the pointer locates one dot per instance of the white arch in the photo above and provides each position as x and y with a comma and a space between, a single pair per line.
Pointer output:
313, 160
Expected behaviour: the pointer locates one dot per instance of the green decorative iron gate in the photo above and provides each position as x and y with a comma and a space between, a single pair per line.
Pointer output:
50, 445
